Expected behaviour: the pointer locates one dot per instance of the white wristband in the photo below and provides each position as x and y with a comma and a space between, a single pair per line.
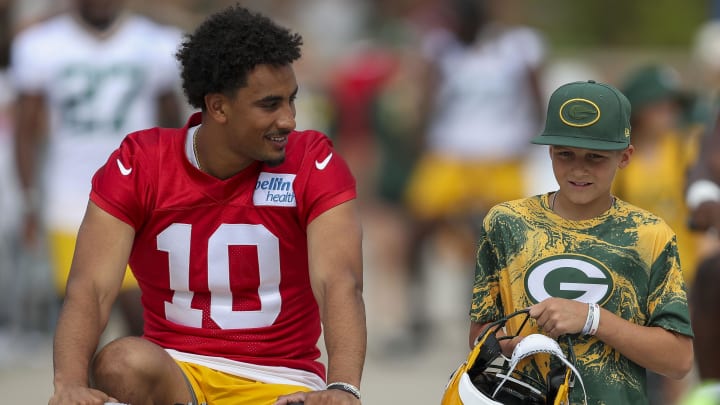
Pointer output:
342, 386
595, 320
701, 191
588, 321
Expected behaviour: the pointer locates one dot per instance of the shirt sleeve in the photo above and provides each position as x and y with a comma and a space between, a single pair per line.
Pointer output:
486, 303
166, 69
122, 186
529, 45
667, 301
326, 179
27, 70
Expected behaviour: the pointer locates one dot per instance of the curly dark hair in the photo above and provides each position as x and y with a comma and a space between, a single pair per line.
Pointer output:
218, 56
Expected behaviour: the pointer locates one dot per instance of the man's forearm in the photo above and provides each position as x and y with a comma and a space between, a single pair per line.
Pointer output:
76, 339
345, 335
28, 138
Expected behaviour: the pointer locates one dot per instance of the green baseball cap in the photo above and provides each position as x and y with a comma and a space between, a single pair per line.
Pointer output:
653, 83
588, 115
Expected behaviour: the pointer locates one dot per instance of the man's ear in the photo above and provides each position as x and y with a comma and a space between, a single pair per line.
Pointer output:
216, 104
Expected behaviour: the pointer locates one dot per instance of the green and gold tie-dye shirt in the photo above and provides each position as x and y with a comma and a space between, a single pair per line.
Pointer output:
625, 260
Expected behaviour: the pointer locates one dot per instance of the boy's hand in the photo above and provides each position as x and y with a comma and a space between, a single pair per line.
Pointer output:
508, 345
559, 316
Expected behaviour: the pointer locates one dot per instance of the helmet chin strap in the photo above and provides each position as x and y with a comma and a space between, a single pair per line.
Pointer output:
533, 344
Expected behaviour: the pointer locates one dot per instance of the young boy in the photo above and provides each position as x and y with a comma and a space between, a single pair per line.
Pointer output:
587, 264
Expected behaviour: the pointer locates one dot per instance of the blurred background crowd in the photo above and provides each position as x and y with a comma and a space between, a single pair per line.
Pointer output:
432, 103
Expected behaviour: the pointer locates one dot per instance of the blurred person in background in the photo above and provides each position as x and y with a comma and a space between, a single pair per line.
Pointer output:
9, 204
28, 307
704, 304
703, 182
664, 150
377, 96
705, 70
84, 79
485, 103
703, 198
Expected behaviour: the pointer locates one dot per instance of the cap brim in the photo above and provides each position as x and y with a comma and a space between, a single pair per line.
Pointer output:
577, 142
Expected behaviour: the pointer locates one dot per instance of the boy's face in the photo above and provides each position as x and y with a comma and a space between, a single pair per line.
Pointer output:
585, 177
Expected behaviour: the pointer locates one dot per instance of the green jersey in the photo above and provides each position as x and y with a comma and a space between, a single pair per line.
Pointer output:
625, 260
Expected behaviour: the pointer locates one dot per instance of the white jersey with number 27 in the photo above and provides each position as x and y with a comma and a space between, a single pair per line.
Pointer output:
97, 88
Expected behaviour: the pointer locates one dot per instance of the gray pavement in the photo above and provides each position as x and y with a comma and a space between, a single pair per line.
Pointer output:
389, 378
26, 370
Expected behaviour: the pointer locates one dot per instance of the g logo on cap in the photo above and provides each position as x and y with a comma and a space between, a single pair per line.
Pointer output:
579, 112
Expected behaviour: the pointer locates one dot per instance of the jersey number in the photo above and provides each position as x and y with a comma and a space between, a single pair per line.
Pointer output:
99, 100
175, 240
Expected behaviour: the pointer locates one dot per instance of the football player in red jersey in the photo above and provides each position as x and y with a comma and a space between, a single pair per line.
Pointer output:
242, 233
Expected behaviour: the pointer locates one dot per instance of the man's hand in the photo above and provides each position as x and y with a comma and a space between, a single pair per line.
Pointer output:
78, 395
326, 397
558, 316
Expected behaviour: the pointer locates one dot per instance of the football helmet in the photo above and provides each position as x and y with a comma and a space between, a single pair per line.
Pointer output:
487, 377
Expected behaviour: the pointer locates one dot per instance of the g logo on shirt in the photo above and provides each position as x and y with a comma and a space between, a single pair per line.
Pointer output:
575, 277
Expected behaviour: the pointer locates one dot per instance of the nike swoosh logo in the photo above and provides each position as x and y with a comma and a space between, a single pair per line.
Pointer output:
123, 170
322, 165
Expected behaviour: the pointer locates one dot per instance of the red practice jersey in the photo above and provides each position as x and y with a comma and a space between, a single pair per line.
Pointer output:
223, 264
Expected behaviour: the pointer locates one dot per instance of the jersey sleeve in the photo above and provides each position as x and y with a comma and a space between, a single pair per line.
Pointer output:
27, 69
166, 69
667, 301
486, 303
529, 45
122, 186
326, 179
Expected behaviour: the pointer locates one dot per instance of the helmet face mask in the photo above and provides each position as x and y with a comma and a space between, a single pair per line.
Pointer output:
488, 377
514, 391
